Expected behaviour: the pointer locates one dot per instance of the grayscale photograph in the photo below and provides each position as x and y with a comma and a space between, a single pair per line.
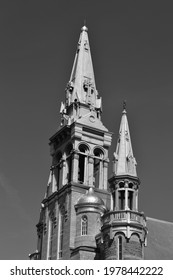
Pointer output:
86, 146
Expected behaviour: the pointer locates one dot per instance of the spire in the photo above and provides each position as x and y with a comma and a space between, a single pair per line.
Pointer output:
124, 161
81, 87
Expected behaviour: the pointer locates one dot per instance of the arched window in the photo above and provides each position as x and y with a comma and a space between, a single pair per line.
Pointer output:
98, 167
82, 170
130, 199
121, 199
84, 225
120, 248
68, 162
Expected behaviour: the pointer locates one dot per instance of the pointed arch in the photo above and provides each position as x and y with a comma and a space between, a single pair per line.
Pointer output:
135, 237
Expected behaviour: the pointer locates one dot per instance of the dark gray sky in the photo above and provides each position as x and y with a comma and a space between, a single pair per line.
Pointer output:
132, 49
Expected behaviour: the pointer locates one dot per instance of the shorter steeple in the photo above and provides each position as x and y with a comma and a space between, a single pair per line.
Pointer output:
124, 162
124, 227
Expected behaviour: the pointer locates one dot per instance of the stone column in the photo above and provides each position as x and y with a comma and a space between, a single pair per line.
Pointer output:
112, 201
60, 177
64, 173
126, 199
105, 174
101, 175
126, 195
136, 200
116, 199
90, 170
57, 234
86, 171
75, 166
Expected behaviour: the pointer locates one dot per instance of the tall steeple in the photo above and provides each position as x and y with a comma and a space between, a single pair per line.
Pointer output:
81, 93
68, 225
124, 162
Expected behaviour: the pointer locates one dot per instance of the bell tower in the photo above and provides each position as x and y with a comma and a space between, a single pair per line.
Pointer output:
124, 227
79, 151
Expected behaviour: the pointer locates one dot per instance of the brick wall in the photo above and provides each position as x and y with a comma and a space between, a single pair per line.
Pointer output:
132, 250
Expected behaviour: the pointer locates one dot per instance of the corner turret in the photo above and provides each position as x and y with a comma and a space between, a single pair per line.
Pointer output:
124, 227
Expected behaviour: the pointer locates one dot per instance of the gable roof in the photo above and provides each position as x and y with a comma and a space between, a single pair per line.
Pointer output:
159, 240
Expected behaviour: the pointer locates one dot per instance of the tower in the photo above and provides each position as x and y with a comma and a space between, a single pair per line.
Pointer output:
80, 218
124, 228
76, 195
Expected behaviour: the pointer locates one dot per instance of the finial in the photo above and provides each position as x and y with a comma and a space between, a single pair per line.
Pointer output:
124, 106
84, 28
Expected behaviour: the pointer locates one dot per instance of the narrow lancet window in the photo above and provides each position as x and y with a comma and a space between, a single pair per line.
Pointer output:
130, 200
84, 225
120, 248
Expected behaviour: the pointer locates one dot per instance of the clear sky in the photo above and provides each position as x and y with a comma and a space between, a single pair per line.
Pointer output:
132, 49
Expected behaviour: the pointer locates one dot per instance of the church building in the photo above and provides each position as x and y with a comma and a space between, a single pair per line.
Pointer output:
85, 215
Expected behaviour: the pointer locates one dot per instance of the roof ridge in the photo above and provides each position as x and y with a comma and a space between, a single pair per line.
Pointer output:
158, 220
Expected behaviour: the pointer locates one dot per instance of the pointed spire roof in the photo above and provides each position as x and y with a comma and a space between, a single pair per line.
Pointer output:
124, 161
82, 80
82, 102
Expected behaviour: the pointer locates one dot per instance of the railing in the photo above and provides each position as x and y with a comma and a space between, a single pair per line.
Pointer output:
124, 216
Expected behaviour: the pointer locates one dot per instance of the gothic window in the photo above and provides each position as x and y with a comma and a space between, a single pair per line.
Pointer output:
84, 225
121, 199
83, 151
60, 234
57, 169
120, 248
98, 164
68, 162
130, 200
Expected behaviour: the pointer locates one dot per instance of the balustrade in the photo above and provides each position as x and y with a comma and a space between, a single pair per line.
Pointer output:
125, 216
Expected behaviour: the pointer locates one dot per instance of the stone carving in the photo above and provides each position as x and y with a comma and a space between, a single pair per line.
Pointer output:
89, 89
44, 228
86, 46
53, 218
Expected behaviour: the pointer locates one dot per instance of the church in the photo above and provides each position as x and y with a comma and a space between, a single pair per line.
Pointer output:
85, 215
